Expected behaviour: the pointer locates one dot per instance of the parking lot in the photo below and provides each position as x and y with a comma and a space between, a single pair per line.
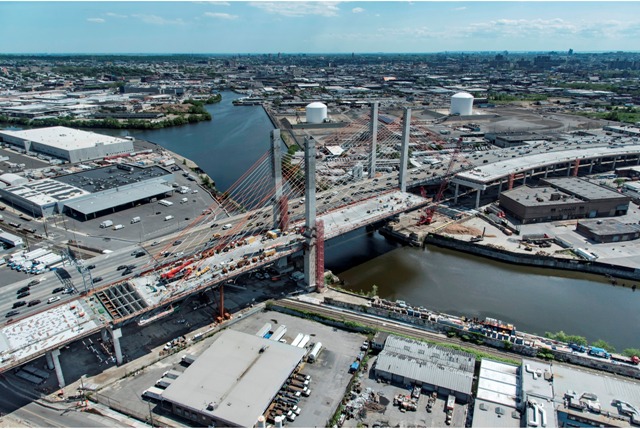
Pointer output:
329, 374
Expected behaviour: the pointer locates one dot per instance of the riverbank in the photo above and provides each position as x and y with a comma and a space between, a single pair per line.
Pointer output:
476, 236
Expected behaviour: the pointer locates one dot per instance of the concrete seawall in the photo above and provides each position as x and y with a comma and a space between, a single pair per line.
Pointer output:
593, 267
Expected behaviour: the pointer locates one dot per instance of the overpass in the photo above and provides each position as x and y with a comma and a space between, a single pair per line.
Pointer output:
267, 196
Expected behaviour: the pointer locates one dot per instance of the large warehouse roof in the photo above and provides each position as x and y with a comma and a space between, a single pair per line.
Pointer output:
236, 378
104, 201
64, 138
430, 364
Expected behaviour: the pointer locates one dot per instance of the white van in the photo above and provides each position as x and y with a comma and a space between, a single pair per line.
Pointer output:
168, 217
135, 219
227, 226
184, 200
54, 299
117, 227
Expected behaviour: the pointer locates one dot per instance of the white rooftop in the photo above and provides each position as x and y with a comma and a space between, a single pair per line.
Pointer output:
64, 138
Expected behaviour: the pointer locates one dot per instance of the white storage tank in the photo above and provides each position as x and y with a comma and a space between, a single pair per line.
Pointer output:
262, 422
462, 104
316, 112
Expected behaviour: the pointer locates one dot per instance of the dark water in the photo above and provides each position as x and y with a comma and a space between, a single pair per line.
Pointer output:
535, 300
225, 147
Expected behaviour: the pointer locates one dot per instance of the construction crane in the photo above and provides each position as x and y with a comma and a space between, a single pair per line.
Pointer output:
427, 217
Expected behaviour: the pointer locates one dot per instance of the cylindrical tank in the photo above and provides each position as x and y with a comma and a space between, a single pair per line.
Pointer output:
262, 422
462, 104
316, 112
278, 421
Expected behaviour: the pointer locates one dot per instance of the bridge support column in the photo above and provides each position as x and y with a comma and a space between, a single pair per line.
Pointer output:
55, 357
478, 198
613, 166
568, 169
593, 161
104, 334
310, 249
638, 160
524, 178
116, 334
374, 140
546, 171
276, 160
500, 186
49, 360
404, 149
455, 196
555, 166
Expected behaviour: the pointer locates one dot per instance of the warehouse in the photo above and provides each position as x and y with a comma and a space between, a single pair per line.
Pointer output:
497, 400
233, 382
563, 198
409, 362
67, 143
91, 193
608, 230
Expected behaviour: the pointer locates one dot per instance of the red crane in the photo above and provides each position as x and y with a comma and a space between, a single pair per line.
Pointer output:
427, 217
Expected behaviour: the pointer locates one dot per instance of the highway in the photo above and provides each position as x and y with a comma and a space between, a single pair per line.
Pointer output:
336, 206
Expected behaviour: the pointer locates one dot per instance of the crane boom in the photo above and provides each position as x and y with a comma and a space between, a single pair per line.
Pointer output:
427, 217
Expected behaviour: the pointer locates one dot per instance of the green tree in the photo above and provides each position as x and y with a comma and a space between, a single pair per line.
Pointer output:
604, 345
631, 352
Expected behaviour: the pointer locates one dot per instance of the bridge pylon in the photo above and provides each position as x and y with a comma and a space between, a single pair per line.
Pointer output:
310, 248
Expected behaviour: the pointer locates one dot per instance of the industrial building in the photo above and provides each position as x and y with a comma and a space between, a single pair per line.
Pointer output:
410, 362
563, 198
537, 394
67, 143
90, 193
497, 403
588, 399
512, 139
234, 381
608, 230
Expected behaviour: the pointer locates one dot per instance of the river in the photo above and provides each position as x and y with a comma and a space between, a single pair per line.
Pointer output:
535, 300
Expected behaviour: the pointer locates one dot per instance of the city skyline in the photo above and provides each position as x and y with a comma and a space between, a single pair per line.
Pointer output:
228, 27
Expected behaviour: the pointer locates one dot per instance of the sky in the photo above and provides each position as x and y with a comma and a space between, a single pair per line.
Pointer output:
316, 27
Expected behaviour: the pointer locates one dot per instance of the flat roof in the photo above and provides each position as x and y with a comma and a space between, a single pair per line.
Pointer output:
583, 189
540, 196
533, 381
498, 383
487, 414
609, 227
607, 388
45, 191
96, 203
64, 138
101, 179
238, 375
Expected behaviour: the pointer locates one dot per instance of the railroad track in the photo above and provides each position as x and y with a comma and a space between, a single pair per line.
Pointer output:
395, 327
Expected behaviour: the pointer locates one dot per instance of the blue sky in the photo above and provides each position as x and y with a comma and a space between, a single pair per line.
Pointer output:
316, 27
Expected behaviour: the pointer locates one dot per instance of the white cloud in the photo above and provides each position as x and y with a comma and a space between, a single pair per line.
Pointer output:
357, 10
115, 15
460, 8
297, 9
158, 20
213, 3
98, 20
220, 15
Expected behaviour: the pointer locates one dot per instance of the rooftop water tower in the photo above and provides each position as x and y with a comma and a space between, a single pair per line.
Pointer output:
462, 104
316, 112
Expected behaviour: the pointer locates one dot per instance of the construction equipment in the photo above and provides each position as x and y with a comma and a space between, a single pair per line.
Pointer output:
427, 217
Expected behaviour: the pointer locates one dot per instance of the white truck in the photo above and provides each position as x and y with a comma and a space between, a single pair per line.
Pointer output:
106, 224
135, 219
227, 226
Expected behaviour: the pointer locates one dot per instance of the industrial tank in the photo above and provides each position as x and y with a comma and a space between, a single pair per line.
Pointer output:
316, 112
462, 104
